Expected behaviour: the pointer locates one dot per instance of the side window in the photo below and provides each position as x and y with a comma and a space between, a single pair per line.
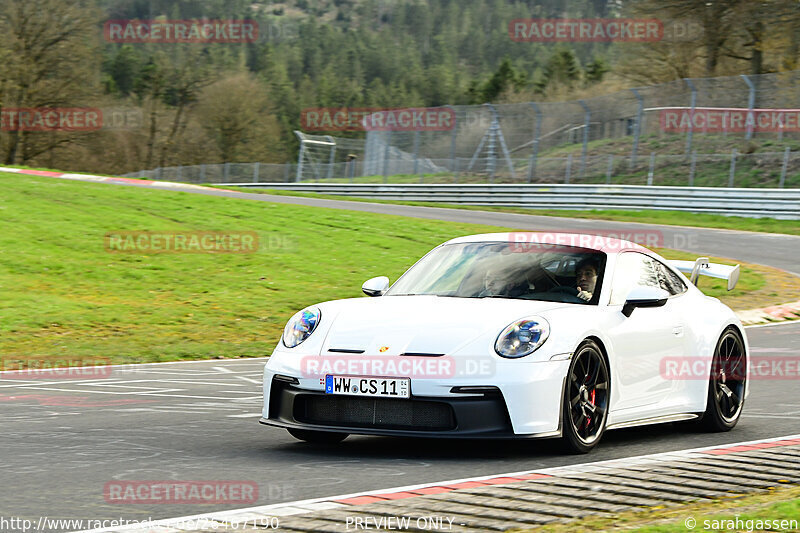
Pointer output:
668, 280
632, 270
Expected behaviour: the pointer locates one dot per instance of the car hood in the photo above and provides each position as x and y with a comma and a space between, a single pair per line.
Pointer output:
393, 325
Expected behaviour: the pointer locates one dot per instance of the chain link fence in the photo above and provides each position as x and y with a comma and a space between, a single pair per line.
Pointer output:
741, 131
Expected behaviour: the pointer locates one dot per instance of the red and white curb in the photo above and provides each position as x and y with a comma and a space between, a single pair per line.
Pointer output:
105, 179
770, 315
261, 514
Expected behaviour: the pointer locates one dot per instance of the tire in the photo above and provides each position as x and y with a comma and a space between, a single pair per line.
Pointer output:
586, 395
727, 383
317, 437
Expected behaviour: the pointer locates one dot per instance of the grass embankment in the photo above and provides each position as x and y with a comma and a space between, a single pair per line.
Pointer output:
780, 504
66, 298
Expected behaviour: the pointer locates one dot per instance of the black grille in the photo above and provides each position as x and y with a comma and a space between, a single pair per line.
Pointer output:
382, 413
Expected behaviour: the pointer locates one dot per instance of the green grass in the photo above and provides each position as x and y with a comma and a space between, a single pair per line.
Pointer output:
668, 218
66, 298
780, 503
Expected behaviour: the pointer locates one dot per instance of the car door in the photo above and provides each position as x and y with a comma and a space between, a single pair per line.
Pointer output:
641, 341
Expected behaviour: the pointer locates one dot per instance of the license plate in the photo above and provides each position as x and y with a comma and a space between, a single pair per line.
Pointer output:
365, 386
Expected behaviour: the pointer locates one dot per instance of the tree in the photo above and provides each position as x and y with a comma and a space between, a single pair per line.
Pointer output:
51, 44
506, 77
763, 26
236, 115
718, 19
562, 69
124, 69
595, 70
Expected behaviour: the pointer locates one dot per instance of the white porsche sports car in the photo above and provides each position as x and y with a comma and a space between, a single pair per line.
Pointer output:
514, 335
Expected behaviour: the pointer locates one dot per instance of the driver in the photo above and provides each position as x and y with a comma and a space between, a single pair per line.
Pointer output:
586, 277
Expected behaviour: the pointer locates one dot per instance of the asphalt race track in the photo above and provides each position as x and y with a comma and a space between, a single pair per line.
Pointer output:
779, 251
63, 440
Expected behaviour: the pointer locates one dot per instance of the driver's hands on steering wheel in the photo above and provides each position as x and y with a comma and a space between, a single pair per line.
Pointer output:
584, 295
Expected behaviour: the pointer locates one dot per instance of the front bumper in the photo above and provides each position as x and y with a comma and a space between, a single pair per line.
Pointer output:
472, 416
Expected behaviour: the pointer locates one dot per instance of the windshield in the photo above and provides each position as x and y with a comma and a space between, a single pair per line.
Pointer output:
496, 270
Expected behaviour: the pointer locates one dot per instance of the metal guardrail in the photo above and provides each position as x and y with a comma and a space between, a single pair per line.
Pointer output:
774, 203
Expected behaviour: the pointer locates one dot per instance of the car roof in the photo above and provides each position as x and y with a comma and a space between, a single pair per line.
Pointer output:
602, 243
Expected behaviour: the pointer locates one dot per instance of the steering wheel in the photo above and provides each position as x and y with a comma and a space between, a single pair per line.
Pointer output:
570, 292
564, 289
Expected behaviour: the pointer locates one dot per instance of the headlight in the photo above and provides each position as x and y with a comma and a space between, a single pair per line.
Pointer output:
522, 337
300, 326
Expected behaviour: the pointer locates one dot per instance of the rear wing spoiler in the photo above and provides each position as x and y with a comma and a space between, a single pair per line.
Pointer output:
702, 266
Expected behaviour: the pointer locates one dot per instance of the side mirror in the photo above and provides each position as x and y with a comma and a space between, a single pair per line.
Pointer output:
644, 297
375, 286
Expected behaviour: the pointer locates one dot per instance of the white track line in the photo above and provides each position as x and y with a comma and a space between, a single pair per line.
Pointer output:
117, 368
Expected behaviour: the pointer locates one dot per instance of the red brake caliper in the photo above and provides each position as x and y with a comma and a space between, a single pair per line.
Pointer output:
589, 418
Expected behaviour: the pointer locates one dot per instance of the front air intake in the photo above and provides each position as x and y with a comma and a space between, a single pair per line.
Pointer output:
379, 413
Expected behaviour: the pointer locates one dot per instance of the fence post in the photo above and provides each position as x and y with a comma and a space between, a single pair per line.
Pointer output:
637, 127
693, 168
537, 133
158, 173
751, 102
492, 138
180, 173
255, 171
300, 159
733, 168
286, 169
386, 152
331, 157
585, 151
610, 169
785, 167
453, 162
203, 172
652, 171
691, 115
568, 171
227, 171
416, 152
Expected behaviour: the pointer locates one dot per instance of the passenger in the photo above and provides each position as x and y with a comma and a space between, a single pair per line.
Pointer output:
496, 282
503, 280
